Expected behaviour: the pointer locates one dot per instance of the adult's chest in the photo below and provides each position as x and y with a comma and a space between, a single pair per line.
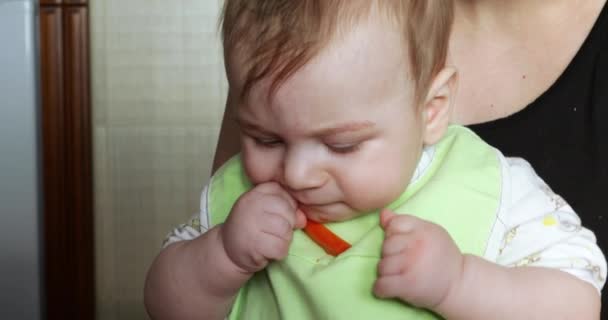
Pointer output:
504, 68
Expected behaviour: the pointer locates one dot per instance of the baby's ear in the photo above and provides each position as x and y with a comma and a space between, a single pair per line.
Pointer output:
438, 105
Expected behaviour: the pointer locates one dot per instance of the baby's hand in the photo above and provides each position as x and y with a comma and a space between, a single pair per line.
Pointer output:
420, 261
260, 227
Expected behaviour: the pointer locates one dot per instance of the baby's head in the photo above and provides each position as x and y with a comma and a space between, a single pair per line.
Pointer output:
336, 98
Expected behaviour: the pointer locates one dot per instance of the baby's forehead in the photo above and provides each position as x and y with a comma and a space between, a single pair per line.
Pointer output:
274, 39
371, 53
349, 72
267, 50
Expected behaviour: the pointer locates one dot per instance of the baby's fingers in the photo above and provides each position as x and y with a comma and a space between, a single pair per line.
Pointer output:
273, 247
388, 287
392, 265
300, 219
394, 224
274, 189
395, 244
386, 216
278, 226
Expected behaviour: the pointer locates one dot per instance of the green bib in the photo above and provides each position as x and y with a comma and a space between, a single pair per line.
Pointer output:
460, 190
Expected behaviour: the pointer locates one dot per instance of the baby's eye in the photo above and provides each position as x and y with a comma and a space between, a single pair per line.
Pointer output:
343, 148
267, 142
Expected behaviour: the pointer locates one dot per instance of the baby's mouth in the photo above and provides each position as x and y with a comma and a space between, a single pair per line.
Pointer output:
316, 212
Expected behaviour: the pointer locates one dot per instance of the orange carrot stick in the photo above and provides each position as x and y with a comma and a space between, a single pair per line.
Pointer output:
329, 241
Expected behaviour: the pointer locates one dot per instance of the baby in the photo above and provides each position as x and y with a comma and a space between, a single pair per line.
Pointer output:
344, 107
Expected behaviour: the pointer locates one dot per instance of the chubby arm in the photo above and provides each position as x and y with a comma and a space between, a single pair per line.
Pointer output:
421, 265
193, 279
547, 265
200, 277
490, 291
541, 263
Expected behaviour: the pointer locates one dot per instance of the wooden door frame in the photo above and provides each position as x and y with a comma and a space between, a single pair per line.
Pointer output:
69, 269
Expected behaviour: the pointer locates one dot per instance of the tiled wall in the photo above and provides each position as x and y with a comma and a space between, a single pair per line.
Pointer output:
158, 97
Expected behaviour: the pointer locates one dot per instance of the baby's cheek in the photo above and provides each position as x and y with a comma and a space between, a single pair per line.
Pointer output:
375, 189
260, 168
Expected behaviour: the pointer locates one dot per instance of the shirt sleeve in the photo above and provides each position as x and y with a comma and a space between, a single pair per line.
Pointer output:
537, 227
196, 226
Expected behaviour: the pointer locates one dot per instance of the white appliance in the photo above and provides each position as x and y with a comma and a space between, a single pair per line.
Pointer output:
20, 193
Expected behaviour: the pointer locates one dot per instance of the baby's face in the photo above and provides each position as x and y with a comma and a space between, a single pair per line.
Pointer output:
341, 135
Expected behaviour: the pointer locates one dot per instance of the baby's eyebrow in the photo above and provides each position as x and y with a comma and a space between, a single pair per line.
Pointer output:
247, 125
345, 127
327, 131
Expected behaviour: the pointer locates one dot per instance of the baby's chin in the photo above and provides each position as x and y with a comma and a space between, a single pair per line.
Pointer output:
335, 212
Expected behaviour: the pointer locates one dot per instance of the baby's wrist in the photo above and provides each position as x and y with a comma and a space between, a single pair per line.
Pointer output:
451, 300
226, 277
231, 264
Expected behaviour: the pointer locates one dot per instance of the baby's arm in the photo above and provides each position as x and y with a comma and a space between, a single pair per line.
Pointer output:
490, 291
193, 279
198, 278
547, 265
540, 262
180, 279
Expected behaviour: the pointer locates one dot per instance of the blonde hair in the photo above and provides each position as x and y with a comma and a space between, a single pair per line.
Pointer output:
277, 37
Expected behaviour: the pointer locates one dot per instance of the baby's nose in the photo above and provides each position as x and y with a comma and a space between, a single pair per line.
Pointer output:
303, 172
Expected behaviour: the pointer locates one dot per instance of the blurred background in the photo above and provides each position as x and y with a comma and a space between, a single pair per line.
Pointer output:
158, 93
109, 115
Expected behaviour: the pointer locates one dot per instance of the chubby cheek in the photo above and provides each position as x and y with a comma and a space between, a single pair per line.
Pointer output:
376, 182
260, 166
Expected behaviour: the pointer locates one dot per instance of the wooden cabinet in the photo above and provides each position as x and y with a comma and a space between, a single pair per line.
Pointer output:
66, 135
